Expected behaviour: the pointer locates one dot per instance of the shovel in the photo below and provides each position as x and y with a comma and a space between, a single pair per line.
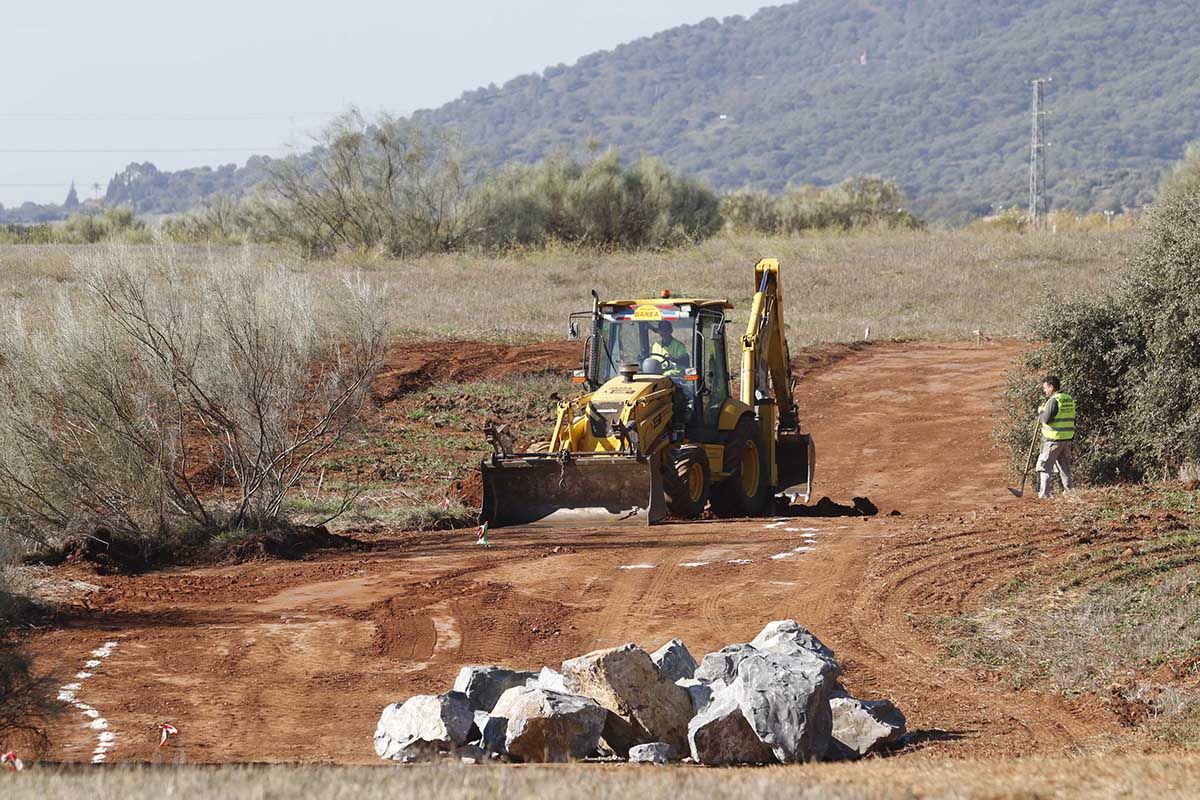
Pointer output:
1028, 461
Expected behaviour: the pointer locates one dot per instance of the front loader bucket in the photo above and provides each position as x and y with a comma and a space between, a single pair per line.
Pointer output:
796, 459
582, 492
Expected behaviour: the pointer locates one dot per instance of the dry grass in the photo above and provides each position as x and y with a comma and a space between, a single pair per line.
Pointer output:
1095, 776
1120, 619
901, 285
940, 285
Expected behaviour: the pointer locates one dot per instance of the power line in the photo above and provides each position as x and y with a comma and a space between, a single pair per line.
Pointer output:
60, 150
68, 116
58, 185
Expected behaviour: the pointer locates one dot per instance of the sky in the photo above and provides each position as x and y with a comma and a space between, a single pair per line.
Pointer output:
87, 87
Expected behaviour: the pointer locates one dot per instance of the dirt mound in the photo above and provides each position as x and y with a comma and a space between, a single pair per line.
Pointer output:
858, 507
291, 543
415, 365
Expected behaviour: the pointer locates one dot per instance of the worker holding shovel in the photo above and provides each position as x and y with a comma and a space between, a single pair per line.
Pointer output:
1057, 417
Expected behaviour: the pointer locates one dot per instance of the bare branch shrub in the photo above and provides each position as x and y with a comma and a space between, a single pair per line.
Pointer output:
165, 401
387, 184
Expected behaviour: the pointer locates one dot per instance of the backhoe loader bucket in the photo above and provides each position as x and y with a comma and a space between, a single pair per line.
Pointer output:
585, 490
795, 458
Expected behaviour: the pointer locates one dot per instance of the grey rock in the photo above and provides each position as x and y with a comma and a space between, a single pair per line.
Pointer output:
722, 665
785, 699
543, 725
721, 735
423, 726
484, 685
700, 692
549, 679
651, 753
645, 706
674, 660
861, 726
490, 731
788, 636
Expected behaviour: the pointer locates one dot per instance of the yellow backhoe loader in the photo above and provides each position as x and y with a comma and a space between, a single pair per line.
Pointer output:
658, 430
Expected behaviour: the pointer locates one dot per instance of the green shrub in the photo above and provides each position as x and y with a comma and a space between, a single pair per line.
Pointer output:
1131, 359
89, 227
110, 225
866, 201
601, 203
223, 220
1184, 177
751, 212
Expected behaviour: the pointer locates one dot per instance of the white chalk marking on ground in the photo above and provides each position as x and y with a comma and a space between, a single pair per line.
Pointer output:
637, 566
774, 525
445, 627
780, 556
448, 636
69, 693
694, 564
738, 561
802, 549
802, 530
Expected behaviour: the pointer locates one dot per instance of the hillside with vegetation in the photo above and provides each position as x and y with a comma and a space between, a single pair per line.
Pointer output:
932, 93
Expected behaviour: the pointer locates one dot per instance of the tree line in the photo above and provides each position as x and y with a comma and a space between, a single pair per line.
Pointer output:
407, 189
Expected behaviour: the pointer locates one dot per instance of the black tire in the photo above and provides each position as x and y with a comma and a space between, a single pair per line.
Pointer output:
687, 480
745, 492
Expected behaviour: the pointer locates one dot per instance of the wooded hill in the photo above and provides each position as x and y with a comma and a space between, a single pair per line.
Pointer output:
933, 93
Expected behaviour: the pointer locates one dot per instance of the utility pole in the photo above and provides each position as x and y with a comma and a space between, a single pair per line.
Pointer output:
1037, 157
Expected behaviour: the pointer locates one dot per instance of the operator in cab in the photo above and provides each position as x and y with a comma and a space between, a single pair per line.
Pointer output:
670, 351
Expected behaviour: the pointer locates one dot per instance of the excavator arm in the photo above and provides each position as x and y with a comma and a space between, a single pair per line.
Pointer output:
767, 385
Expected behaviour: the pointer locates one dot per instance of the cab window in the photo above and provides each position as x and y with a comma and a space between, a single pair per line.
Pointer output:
715, 372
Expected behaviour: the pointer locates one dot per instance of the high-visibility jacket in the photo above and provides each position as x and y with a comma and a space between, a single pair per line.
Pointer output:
1062, 427
676, 351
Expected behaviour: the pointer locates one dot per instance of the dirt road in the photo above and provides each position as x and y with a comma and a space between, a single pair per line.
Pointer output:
293, 661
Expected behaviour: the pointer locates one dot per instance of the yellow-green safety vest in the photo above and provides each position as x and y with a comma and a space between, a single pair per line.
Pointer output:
676, 351
1062, 427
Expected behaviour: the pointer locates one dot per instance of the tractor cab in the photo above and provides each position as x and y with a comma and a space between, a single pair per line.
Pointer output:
679, 339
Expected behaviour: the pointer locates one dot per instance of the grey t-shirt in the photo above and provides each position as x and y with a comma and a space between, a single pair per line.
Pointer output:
1050, 409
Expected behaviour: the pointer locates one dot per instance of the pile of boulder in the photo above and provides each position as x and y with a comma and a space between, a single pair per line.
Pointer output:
777, 699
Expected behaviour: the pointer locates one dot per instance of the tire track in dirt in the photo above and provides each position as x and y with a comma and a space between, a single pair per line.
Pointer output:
881, 629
